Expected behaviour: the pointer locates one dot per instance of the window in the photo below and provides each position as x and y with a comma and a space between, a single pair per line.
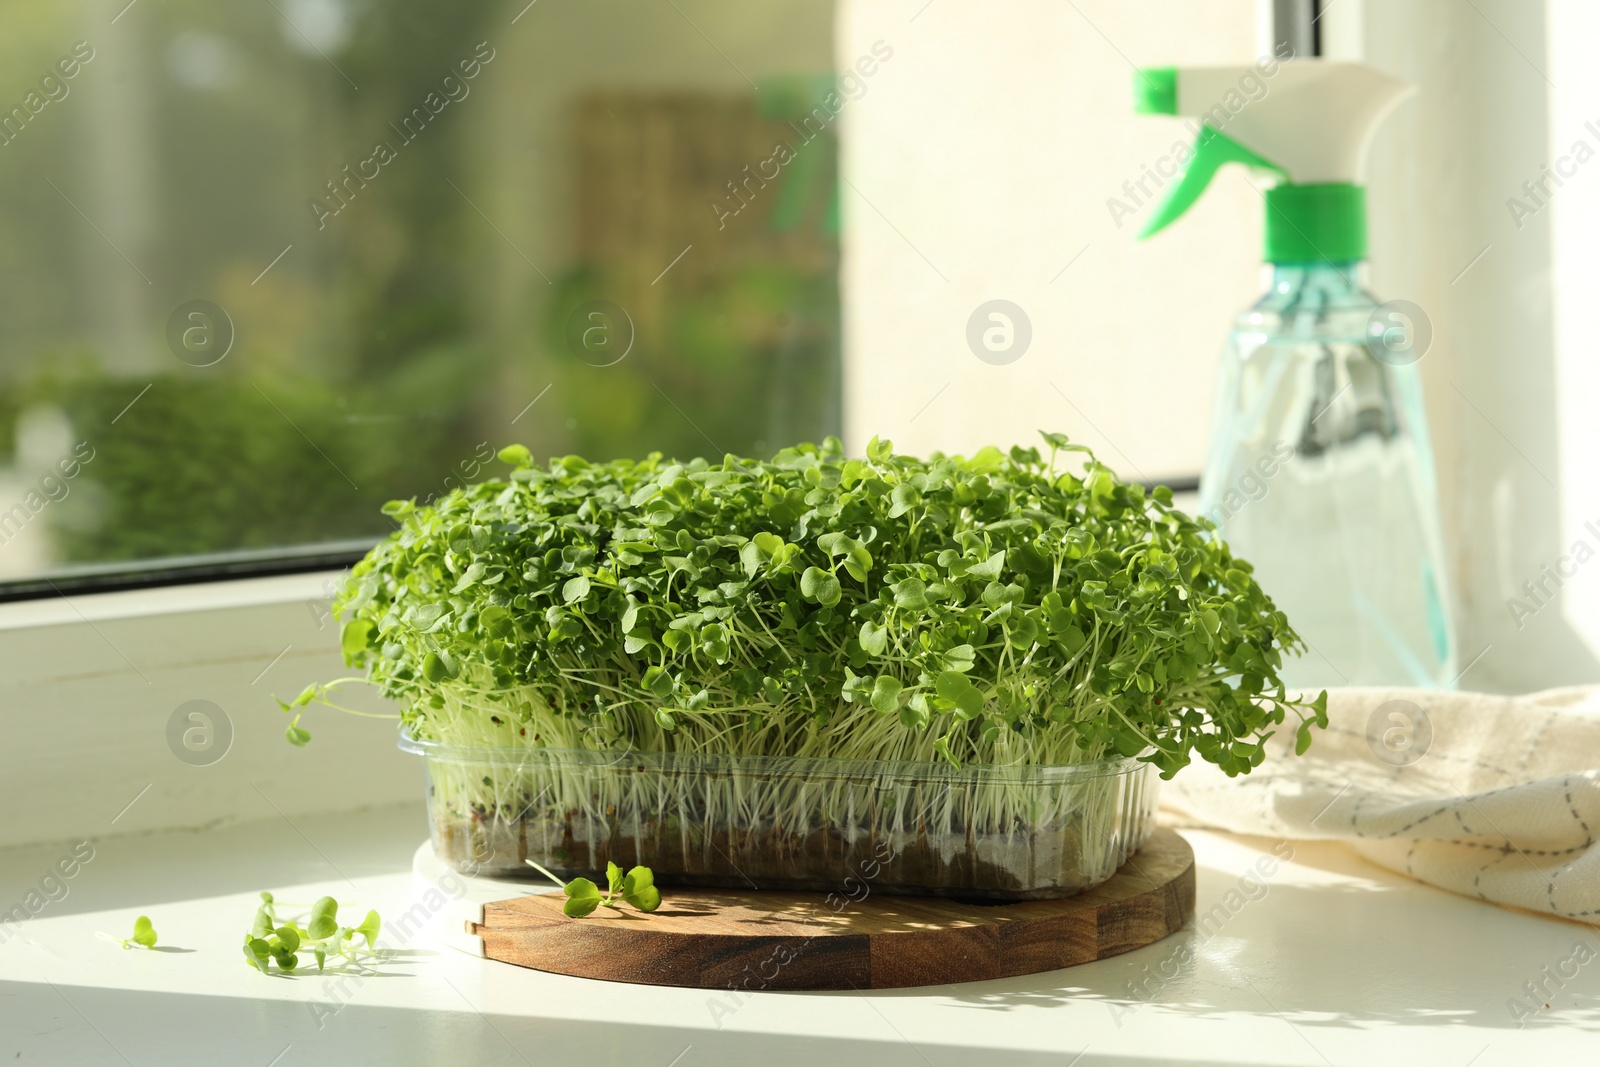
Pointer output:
270, 265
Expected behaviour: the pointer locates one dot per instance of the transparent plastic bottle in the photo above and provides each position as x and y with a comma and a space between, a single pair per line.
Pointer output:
1321, 475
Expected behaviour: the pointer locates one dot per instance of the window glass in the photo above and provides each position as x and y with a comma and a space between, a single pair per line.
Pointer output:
269, 265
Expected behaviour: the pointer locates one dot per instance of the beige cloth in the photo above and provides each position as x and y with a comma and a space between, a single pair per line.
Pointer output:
1501, 802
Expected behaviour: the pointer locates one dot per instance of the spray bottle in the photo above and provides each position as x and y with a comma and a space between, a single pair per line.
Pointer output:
1319, 471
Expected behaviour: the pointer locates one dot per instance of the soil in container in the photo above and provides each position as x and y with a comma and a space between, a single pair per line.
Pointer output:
981, 840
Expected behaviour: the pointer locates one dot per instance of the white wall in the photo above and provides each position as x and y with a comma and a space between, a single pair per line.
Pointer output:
1502, 82
981, 161
1574, 215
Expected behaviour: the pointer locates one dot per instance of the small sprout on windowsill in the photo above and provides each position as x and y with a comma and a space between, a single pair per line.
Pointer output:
270, 940
637, 888
143, 933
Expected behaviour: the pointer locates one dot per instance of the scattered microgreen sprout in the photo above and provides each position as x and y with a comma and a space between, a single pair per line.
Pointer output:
272, 941
144, 934
298, 735
637, 887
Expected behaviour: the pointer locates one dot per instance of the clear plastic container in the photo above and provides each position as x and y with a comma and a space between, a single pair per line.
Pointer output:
978, 832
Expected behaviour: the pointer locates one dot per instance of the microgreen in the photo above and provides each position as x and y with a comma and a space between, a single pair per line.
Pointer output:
144, 934
271, 941
298, 735
1009, 608
637, 887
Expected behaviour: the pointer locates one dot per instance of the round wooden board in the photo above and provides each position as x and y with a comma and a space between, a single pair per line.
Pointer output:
722, 939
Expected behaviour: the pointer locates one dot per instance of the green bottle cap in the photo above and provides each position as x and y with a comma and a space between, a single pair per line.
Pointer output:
1324, 222
1155, 91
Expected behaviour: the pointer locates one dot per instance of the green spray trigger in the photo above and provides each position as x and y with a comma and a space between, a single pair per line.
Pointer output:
1212, 150
1304, 122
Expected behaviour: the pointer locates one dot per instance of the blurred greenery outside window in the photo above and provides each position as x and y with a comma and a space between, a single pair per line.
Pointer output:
270, 266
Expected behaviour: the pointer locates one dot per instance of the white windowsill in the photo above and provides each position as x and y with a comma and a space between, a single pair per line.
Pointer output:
1331, 961
167, 600
90, 684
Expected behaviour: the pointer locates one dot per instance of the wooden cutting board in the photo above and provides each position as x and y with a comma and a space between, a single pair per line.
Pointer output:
726, 939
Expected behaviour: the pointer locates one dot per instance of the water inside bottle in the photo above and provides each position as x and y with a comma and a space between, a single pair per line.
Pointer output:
1321, 475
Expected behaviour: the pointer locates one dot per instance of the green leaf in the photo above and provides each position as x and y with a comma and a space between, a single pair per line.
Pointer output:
914, 714
1127, 742
1072, 639
369, 928
769, 544
903, 499
516, 456
958, 689
959, 658
575, 589
296, 734
290, 937
583, 896
1302, 738
646, 899
321, 955
639, 889
324, 919
990, 568
354, 637
886, 694
714, 642
257, 952
439, 667
496, 621
143, 933
577, 908
874, 639
613, 877
817, 584
658, 681
911, 594
638, 878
